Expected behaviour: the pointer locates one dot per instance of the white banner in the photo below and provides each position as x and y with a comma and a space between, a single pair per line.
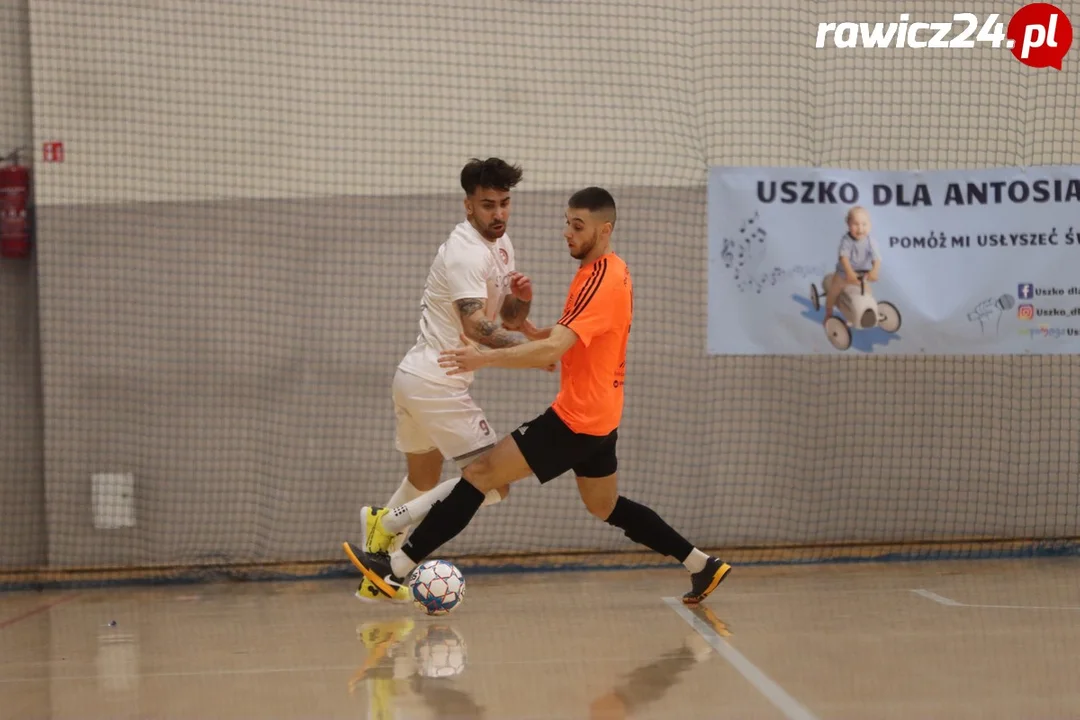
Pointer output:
977, 262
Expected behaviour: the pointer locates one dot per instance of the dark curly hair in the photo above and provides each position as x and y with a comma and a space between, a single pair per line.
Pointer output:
493, 173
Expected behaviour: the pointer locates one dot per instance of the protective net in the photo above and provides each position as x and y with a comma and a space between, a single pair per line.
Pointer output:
230, 260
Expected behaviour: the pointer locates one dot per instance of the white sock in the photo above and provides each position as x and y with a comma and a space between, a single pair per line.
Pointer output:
402, 517
405, 492
401, 563
695, 562
415, 510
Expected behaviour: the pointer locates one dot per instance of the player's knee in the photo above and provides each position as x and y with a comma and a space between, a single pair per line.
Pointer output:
480, 473
600, 506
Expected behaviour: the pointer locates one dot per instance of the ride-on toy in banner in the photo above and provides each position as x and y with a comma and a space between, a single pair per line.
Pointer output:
857, 310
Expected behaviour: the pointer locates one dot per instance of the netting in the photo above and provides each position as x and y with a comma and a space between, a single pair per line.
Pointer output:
231, 256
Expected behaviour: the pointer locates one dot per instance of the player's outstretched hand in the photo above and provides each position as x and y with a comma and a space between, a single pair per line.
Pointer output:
521, 286
460, 360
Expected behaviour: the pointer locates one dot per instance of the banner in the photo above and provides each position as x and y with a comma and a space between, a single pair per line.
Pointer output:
972, 262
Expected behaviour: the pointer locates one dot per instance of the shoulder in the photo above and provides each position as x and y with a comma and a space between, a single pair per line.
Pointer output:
462, 246
617, 272
610, 265
614, 277
615, 260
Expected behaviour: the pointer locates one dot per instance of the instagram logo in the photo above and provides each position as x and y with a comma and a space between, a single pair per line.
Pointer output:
1025, 312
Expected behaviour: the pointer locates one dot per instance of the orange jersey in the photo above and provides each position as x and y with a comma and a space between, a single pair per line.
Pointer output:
599, 309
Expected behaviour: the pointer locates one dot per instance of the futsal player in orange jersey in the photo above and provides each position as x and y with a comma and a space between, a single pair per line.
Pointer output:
580, 429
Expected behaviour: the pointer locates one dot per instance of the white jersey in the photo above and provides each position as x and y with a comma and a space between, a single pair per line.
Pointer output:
467, 265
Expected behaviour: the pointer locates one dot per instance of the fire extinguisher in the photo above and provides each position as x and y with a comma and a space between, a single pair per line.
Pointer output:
14, 208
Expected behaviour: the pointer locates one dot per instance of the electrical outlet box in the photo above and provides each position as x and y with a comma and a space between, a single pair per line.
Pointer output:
114, 500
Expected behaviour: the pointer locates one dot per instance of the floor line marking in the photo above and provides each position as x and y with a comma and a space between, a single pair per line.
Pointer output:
942, 600
35, 611
775, 694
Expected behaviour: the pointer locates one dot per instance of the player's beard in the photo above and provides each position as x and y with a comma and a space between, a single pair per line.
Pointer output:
587, 247
488, 231
494, 231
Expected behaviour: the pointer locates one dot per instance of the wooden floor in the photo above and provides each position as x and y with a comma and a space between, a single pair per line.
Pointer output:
987, 639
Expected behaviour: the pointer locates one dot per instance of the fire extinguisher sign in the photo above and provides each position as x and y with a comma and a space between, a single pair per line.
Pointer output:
52, 152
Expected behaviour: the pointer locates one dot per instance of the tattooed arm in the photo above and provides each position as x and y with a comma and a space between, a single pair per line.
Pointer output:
481, 330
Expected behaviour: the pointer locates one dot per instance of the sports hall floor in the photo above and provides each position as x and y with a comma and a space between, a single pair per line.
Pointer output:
980, 639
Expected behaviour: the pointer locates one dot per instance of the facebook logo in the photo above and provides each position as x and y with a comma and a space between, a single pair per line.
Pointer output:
1025, 291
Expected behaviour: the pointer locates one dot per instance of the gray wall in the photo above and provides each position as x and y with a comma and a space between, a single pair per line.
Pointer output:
22, 490
232, 257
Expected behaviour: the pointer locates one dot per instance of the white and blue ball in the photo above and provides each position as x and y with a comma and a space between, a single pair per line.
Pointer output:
437, 587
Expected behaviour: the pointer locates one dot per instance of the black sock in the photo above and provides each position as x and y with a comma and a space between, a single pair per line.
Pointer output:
644, 526
444, 521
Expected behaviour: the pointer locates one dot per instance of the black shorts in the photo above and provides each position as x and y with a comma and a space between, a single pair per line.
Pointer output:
551, 448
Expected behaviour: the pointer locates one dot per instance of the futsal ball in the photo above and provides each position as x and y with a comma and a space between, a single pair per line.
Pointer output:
441, 653
437, 587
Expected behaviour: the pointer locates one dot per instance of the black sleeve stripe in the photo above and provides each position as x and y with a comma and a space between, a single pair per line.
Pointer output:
583, 292
592, 290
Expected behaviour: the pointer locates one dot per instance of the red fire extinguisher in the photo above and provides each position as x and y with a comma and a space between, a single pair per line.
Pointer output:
14, 208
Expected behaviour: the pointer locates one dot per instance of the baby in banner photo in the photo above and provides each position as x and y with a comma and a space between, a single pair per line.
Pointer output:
858, 253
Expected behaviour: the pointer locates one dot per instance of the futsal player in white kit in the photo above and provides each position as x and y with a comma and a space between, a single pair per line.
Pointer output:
472, 288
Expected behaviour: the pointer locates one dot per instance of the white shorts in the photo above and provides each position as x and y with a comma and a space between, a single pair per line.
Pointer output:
431, 416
